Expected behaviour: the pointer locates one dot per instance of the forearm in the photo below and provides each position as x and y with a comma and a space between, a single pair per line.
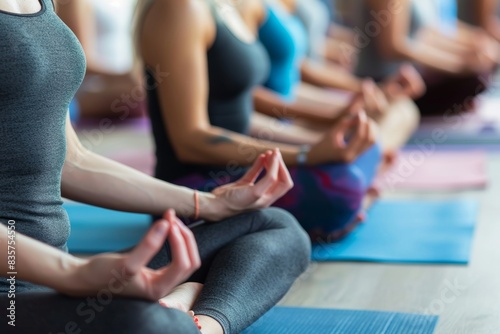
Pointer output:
457, 43
341, 33
265, 127
92, 179
435, 59
488, 20
272, 105
329, 76
492, 26
50, 267
214, 146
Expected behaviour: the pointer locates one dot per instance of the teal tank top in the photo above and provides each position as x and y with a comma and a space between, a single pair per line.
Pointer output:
286, 43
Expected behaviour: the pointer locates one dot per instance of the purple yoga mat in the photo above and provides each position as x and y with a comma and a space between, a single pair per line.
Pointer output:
478, 127
436, 170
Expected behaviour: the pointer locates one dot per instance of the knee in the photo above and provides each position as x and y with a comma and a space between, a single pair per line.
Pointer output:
409, 113
294, 242
398, 124
330, 197
365, 168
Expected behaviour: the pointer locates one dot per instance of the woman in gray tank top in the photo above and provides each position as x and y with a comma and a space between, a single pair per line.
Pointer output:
248, 245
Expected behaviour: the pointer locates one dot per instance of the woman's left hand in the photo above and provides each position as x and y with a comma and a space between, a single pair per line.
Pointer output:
249, 194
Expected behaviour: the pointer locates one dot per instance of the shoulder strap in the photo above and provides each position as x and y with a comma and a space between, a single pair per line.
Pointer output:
46, 2
213, 9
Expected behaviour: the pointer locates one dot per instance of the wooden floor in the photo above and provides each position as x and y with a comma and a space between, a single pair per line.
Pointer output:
467, 298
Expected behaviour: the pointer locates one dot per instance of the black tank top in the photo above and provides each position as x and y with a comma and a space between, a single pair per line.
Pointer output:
235, 68
41, 67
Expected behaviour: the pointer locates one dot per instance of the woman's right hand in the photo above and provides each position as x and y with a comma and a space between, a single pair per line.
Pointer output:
482, 57
346, 141
375, 101
407, 82
127, 274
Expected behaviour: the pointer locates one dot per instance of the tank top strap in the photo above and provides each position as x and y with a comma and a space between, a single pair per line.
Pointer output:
49, 4
215, 13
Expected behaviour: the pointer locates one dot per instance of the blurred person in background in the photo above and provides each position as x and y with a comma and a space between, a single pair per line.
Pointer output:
103, 27
455, 61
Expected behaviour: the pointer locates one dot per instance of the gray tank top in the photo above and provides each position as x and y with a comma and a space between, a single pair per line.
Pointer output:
370, 62
41, 67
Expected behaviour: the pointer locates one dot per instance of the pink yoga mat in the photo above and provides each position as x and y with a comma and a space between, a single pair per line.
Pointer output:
436, 170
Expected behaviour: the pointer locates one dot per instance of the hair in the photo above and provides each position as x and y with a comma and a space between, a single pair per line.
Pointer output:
141, 10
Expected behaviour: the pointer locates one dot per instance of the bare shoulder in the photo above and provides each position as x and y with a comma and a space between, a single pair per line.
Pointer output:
253, 13
170, 23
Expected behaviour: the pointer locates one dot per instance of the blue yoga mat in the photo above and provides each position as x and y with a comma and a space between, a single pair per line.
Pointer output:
95, 230
285, 320
409, 232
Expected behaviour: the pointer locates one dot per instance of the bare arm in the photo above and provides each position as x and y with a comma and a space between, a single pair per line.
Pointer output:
93, 179
187, 32
487, 15
394, 44
41, 264
270, 128
50, 267
271, 104
330, 76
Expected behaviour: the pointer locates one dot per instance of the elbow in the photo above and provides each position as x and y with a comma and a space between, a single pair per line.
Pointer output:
187, 147
394, 51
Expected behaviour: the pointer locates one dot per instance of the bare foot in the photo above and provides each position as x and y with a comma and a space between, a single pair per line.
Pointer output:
372, 195
182, 297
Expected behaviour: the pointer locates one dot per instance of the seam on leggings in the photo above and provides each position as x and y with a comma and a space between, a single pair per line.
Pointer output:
218, 316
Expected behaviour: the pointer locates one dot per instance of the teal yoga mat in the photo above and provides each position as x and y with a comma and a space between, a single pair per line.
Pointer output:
95, 230
285, 320
409, 232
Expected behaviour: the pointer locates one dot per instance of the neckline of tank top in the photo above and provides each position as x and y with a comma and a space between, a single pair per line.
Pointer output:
40, 12
218, 19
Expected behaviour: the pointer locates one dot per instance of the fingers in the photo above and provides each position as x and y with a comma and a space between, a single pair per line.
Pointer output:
272, 168
411, 81
283, 184
360, 140
369, 99
356, 105
284, 174
185, 258
181, 258
253, 173
375, 100
343, 130
147, 248
189, 240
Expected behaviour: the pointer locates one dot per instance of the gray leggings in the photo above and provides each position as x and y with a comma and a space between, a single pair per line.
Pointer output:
249, 263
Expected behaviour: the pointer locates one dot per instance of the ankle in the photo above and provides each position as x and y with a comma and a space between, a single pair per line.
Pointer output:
209, 325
